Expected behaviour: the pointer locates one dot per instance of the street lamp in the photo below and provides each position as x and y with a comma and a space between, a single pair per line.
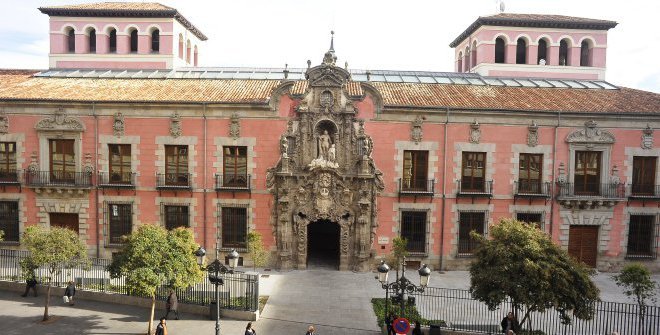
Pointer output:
402, 285
216, 271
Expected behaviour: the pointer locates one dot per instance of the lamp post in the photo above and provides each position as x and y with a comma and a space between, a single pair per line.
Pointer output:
216, 270
402, 285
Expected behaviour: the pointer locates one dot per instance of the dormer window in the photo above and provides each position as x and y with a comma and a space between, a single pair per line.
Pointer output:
180, 46
500, 45
585, 54
155, 41
113, 41
542, 52
195, 56
521, 51
92, 41
134, 41
188, 52
563, 53
71, 40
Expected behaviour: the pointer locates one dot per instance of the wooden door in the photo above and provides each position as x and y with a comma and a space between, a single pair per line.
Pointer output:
583, 244
64, 220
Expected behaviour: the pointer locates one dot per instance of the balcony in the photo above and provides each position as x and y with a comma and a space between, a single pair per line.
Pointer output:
590, 195
416, 187
531, 190
644, 192
232, 183
174, 181
9, 178
115, 180
60, 181
475, 190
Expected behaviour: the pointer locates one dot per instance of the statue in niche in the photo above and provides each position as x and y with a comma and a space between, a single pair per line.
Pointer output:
324, 144
284, 146
332, 153
327, 153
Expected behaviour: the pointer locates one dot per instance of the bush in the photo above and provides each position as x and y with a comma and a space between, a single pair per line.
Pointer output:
411, 313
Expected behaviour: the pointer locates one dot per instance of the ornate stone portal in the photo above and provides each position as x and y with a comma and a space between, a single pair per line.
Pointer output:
325, 173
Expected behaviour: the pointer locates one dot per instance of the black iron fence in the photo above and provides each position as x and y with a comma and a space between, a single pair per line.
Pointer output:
174, 180
58, 179
461, 312
239, 292
640, 190
417, 186
116, 180
475, 188
525, 188
232, 182
592, 190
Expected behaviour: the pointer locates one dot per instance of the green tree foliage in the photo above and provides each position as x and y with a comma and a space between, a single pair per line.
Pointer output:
256, 250
55, 249
522, 263
152, 256
399, 250
2, 235
636, 280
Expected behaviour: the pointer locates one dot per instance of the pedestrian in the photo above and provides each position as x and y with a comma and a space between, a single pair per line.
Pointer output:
69, 292
30, 283
172, 305
510, 325
388, 324
161, 329
310, 331
418, 328
249, 330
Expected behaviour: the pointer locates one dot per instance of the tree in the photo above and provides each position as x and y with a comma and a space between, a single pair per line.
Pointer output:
256, 250
522, 263
55, 249
636, 280
152, 256
399, 250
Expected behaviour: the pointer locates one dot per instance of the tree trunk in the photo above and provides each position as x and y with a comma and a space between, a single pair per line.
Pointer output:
151, 317
46, 316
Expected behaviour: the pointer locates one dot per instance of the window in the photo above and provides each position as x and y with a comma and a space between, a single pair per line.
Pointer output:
469, 221
460, 61
563, 53
234, 227
176, 216
585, 54
71, 40
120, 219
641, 236
474, 171
62, 160
92, 41
521, 51
415, 167
120, 163
113, 41
9, 220
542, 52
235, 166
413, 229
188, 52
134, 40
530, 173
8, 162
643, 178
535, 218
473, 54
499, 50
587, 172
176, 165
467, 59
155, 41
180, 46
195, 55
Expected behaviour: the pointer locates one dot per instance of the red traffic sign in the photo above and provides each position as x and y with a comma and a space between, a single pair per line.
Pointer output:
401, 326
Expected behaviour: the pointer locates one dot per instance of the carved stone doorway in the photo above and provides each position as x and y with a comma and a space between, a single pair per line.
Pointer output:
323, 245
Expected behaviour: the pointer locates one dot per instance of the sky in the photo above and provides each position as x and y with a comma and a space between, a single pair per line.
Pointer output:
369, 34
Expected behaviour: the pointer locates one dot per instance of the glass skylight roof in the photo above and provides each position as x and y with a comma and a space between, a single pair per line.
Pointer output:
219, 73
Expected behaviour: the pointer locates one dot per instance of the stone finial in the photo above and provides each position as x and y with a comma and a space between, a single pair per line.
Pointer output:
330, 58
4, 123
235, 126
475, 132
88, 167
309, 64
533, 134
34, 162
175, 125
416, 131
286, 71
561, 175
118, 124
614, 178
647, 137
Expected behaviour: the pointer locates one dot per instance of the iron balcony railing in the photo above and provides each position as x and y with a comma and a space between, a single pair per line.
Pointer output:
592, 190
232, 182
173, 181
478, 189
58, 179
9, 178
116, 180
643, 191
528, 189
417, 187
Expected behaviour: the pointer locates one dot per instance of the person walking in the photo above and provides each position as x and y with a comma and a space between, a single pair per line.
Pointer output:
161, 328
172, 305
389, 320
69, 292
310, 331
30, 283
510, 325
249, 330
418, 328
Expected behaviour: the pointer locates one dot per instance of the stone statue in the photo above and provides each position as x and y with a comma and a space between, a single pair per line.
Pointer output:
324, 145
327, 153
332, 153
284, 142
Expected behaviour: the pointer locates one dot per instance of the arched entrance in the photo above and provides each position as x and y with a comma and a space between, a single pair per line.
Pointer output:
323, 245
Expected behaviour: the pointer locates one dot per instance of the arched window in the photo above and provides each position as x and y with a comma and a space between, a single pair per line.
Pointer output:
473, 54
155, 41
188, 52
92, 41
460, 61
521, 51
499, 50
180, 46
71, 40
467, 64
134, 40
542, 52
195, 56
563, 53
113, 41
585, 54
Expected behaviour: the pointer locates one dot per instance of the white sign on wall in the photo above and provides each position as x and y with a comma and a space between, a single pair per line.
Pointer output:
383, 240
